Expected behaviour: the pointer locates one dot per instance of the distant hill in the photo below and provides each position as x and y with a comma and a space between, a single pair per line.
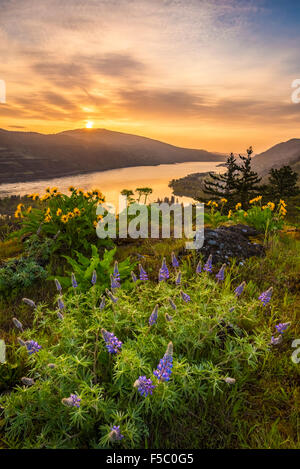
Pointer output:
28, 156
285, 153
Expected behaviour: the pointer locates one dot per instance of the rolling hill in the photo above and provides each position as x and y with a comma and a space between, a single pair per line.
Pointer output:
28, 156
285, 153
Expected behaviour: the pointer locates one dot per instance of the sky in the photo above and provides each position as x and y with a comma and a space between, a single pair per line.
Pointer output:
210, 74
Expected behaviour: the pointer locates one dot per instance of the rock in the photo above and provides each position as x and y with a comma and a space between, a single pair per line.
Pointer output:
230, 242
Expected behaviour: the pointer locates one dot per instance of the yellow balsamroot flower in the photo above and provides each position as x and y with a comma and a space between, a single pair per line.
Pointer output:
256, 199
35, 196
70, 215
282, 211
223, 200
19, 207
45, 197
229, 214
54, 190
71, 188
214, 204
76, 212
48, 189
64, 218
100, 217
80, 191
245, 214
209, 202
282, 202
238, 206
48, 211
58, 212
18, 214
271, 205
29, 210
48, 218
95, 224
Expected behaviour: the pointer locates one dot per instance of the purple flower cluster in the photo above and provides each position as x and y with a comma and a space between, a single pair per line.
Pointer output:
164, 368
185, 296
178, 278
32, 346
74, 281
144, 386
94, 278
133, 276
115, 434
172, 304
220, 275
29, 302
114, 283
143, 273
208, 265
199, 268
60, 304
102, 304
265, 297
113, 298
113, 344
282, 326
153, 316
72, 401
58, 285
175, 262
239, 290
164, 271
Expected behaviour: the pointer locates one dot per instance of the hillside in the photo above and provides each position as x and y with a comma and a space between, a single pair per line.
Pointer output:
281, 154
26, 156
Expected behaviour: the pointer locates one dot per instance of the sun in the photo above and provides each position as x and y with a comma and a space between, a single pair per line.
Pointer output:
89, 124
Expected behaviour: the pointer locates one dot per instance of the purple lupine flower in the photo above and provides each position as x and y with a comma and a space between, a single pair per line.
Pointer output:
72, 401
144, 386
27, 381
60, 303
102, 304
282, 326
59, 315
164, 271
172, 304
114, 283
199, 268
113, 298
239, 290
178, 278
143, 273
265, 297
94, 277
115, 434
29, 302
74, 281
208, 265
113, 344
21, 341
175, 262
276, 340
32, 346
161, 276
116, 272
153, 316
164, 368
220, 274
185, 296
58, 285
168, 317
18, 324
231, 309
133, 276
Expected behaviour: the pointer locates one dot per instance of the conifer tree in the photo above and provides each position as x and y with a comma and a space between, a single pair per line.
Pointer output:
282, 183
223, 185
247, 182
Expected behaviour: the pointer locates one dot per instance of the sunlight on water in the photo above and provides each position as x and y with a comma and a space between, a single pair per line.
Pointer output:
112, 182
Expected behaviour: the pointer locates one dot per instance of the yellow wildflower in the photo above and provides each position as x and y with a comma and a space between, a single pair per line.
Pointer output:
58, 212
95, 224
54, 190
18, 214
238, 206
71, 188
100, 217
64, 219
209, 202
76, 212
29, 209
48, 218
19, 207
282, 202
229, 213
223, 200
271, 206
70, 215
245, 214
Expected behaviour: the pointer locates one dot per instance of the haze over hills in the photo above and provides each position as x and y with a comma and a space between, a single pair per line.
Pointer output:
285, 153
28, 156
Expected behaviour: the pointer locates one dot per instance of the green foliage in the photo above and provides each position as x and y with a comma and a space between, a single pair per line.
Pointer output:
267, 218
282, 183
83, 269
18, 274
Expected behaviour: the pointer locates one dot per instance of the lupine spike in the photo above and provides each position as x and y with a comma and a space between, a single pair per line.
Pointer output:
143, 273
94, 277
178, 278
32, 347
221, 274
175, 262
161, 277
168, 317
21, 341
102, 304
208, 265
282, 326
172, 304
265, 297
185, 296
18, 324
114, 283
115, 434
74, 281
60, 303
165, 365
72, 401
113, 344
116, 272
153, 316
58, 285
133, 276
60, 315
199, 268
239, 290
29, 302
276, 340
144, 386
164, 271
113, 298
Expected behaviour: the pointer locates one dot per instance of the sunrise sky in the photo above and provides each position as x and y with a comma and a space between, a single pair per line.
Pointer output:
204, 74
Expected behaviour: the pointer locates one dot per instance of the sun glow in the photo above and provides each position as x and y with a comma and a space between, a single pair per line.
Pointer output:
89, 124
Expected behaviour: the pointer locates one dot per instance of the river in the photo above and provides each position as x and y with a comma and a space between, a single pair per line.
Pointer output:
113, 181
